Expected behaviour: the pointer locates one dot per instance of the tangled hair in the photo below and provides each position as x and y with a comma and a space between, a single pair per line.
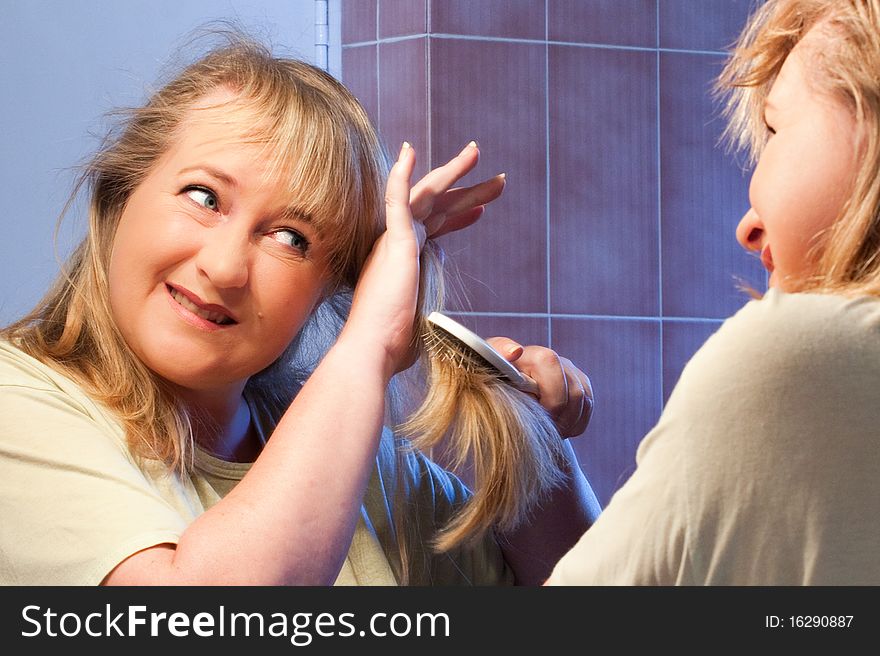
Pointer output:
320, 141
847, 68
504, 435
482, 425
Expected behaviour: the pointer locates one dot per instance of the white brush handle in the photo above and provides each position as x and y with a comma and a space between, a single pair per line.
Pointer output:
480, 346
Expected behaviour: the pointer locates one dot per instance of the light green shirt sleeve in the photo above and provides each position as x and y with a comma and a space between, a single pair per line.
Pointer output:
72, 500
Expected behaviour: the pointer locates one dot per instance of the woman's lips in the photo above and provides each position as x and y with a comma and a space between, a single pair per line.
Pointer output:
767, 259
210, 313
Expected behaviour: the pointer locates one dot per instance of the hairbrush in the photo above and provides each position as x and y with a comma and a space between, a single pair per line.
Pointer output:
469, 351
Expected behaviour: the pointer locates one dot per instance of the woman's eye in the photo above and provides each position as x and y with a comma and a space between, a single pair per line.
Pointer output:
204, 197
291, 238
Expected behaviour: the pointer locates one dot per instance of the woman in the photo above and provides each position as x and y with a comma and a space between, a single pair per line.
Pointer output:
764, 467
138, 398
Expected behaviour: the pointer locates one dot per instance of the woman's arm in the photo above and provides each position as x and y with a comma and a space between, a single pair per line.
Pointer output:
533, 549
566, 393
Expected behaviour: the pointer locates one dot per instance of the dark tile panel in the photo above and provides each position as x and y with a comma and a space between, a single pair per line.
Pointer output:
403, 98
704, 193
359, 75
603, 181
702, 24
358, 21
523, 19
681, 339
622, 359
612, 22
501, 259
402, 18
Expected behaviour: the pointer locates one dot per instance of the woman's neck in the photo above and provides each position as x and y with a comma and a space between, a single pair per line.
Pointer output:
222, 424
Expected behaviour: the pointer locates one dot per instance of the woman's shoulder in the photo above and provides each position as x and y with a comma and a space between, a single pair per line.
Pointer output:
20, 369
781, 376
789, 324
783, 340
804, 313
771, 431
25, 378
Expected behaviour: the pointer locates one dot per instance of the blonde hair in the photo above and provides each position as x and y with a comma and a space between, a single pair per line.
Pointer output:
501, 434
319, 139
847, 254
317, 136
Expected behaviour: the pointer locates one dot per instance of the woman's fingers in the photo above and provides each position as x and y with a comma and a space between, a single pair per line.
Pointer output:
427, 191
460, 199
570, 403
443, 208
563, 389
460, 207
386, 293
398, 215
510, 349
442, 224
575, 417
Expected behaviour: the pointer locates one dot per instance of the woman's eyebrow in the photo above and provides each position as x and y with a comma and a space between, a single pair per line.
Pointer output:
295, 213
211, 171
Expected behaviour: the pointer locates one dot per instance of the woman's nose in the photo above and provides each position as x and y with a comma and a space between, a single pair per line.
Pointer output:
750, 231
223, 257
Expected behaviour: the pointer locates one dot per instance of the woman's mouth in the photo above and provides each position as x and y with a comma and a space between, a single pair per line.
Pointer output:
210, 313
767, 259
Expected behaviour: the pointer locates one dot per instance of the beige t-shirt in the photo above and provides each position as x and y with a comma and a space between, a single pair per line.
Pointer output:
764, 468
74, 502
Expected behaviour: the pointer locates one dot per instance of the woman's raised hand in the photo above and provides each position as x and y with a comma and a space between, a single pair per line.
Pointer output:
385, 298
384, 302
442, 208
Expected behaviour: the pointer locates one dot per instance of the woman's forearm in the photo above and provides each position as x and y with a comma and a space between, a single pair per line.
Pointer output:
291, 518
534, 548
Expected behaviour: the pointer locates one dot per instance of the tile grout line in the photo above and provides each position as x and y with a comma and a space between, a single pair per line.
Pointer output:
429, 109
659, 216
548, 182
378, 79
590, 317
575, 44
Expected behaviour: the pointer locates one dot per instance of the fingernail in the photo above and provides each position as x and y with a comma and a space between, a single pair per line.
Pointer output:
403, 149
513, 349
473, 144
503, 176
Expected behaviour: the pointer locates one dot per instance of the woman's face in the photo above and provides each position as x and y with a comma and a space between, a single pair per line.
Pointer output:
805, 172
213, 270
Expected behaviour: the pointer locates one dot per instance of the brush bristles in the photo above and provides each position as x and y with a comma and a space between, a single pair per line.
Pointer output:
504, 435
441, 345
